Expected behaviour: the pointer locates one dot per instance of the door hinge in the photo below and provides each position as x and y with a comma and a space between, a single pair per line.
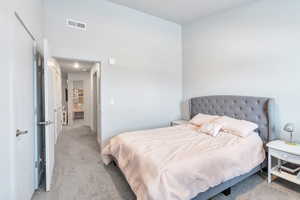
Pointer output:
36, 164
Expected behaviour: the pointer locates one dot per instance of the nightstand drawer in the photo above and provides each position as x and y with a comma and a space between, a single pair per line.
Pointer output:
285, 156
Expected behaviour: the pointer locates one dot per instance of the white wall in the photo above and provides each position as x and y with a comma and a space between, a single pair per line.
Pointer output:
31, 12
251, 50
146, 82
85, 77
6, 138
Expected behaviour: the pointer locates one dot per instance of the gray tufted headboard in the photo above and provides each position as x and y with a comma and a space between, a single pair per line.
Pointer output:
259, 110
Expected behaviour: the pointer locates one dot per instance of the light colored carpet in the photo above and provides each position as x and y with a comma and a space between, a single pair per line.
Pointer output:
81, 175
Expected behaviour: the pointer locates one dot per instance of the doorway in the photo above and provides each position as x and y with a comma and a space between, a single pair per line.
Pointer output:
47, 116
80, 108
81, 93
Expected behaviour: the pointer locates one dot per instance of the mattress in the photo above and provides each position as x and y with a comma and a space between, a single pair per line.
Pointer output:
177, 163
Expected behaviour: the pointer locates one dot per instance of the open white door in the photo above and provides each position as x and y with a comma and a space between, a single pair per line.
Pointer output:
23, 118
49, 117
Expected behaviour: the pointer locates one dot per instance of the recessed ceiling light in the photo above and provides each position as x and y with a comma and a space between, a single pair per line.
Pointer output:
76, 65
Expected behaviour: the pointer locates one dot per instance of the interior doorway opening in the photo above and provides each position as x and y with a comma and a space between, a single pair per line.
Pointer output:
81, 81
67, 94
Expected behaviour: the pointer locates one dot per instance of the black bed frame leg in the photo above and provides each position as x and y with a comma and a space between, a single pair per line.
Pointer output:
227, 192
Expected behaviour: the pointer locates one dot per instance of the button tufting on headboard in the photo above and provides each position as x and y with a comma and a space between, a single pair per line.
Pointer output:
255, 109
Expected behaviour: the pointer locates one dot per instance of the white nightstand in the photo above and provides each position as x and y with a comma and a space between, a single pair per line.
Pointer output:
179, 122
283, 153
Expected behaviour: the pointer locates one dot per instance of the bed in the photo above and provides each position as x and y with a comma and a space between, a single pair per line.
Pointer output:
142, 155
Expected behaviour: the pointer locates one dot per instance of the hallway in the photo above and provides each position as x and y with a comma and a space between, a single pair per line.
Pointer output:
80, 174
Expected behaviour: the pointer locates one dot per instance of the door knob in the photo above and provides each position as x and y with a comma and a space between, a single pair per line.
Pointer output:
19, 132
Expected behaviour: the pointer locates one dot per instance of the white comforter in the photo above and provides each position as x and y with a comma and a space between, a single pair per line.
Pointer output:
179, 162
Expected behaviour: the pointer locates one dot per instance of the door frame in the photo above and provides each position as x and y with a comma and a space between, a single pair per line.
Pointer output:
41, 51
35, 105
95, 101
96, 71
37, 128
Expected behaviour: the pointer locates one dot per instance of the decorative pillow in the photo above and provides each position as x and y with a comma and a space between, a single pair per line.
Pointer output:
237, 127
200, 119
212, 128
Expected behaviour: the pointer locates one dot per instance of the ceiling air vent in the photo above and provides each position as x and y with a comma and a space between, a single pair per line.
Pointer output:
76, 24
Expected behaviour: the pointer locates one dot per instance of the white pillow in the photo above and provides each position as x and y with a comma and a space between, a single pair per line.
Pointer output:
200, 119
212, 128
237, 127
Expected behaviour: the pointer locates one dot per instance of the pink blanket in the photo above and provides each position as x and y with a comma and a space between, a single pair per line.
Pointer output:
179, 162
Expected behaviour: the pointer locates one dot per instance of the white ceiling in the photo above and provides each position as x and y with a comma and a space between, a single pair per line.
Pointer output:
67, 65
180, 11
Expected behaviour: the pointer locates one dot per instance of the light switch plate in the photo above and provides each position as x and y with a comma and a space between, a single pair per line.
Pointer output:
112, 61
112, 101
